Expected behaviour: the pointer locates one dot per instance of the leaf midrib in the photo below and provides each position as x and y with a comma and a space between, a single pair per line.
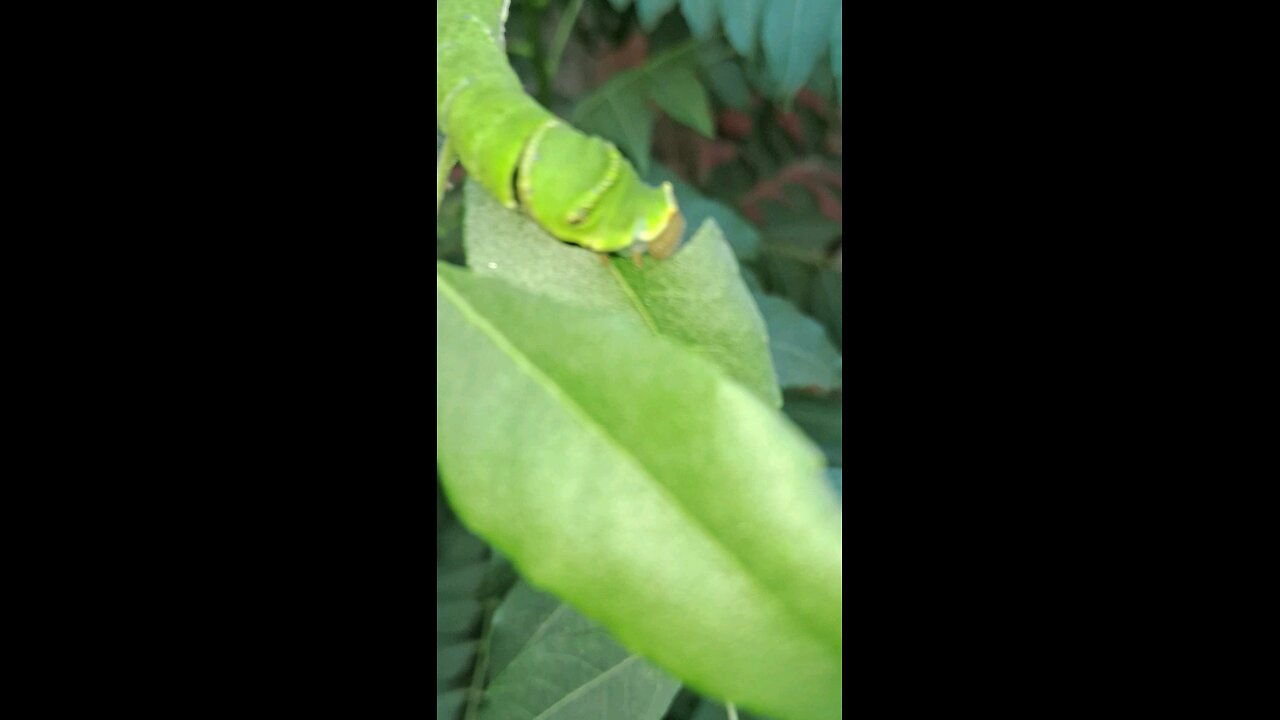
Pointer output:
523, 362
571, 696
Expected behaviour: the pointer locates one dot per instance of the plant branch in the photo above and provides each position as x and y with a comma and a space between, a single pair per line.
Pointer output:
540, 56
476, 690
567, 21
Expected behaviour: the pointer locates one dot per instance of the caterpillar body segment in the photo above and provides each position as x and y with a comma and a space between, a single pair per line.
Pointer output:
578, 188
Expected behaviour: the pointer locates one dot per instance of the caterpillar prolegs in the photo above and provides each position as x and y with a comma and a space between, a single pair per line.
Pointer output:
579, 188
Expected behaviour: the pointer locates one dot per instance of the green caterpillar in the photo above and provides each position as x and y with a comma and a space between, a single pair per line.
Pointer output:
578, 188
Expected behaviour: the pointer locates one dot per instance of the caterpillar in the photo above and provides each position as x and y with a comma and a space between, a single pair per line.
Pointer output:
578, 188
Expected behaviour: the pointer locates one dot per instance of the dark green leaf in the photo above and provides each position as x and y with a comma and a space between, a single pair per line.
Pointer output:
617, 111
549, 662
828, 303
701, 16
680, 93
730, 180
804, 230
453, 663
822, 419
726, 80
742, 22
683, 706
802, 353
449, 705
788, 276
469, 578
795, 35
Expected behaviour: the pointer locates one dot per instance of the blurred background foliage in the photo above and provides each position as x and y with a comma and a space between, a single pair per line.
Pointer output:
739, 104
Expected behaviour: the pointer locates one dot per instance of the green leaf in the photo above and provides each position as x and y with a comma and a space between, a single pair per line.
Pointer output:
620, 5
803, 230
742, 22
681, 94
788, 276
827, 303
822, 419
837, 52
453, 662
636, 481
449, 705
696, 297
469, 579
550, 662
701, 16
729, 84
836, 477
802, 353
795, 35
684, 705
617, 111
651, 11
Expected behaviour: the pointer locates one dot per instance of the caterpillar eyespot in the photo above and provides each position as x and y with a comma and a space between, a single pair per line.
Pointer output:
580, 189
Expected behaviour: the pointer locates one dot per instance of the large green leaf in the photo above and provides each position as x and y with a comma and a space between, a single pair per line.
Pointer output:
795, 34
617, 111
696, 297
635, 480
551, 663
802, 353
701, 15
742, 22
681, 94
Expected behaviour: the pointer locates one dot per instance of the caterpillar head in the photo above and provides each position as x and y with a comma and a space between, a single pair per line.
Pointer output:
667, 239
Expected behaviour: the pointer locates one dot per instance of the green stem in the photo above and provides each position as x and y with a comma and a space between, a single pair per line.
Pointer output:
540, 58
733, 711
476, 691
444, 164
567, 21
